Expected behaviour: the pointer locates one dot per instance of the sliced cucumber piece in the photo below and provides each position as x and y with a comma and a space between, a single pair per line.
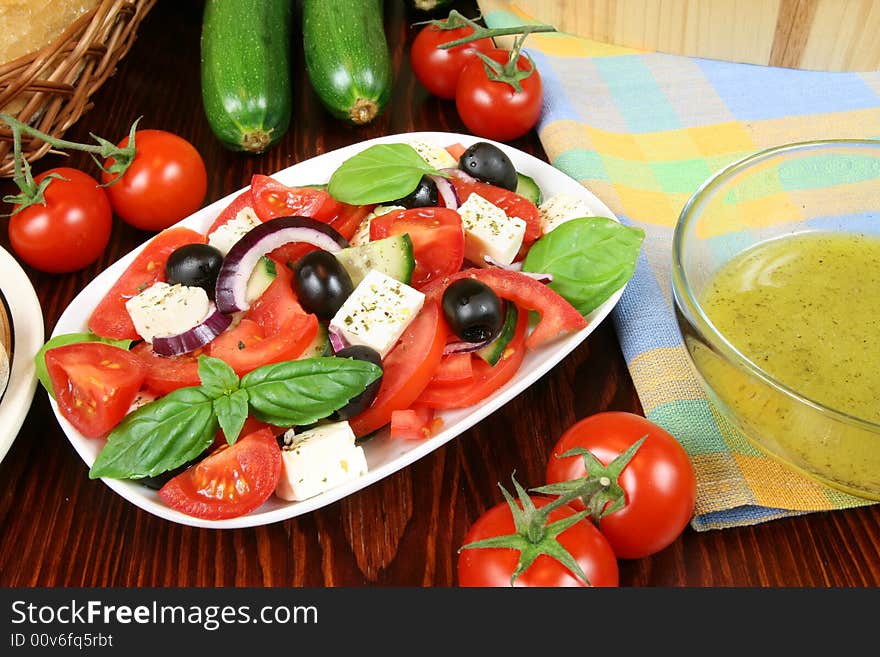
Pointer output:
261, 278
493, 351
393, 256
320, 346
528, 188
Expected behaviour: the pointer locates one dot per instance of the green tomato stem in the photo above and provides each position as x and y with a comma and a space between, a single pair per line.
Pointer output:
481, 32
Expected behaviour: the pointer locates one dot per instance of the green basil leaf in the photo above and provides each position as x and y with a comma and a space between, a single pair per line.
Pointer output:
217, 377
590, 259
232, 411
62, 340
304, 391
159, 436
380, 173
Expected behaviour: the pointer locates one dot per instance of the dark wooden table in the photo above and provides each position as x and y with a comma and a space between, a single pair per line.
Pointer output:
58, 528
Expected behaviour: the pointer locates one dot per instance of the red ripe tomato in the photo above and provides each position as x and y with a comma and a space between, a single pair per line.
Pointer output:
94, 383
239, 203
67, 232
485, 379
230, 482
273, 199
416, 423
438, 68
407, 369
659, 481
275, 329
437, 237
110, 318
167, 373
494, 566
165, 183
454, 369
493, 109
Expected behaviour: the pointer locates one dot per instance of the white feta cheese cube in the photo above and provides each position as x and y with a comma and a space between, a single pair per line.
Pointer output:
362, 234
488, 231
377, 312
163, 310
319, 459
561, 208
436, 157
225, 237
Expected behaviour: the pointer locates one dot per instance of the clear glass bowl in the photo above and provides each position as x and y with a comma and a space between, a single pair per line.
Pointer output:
823, 185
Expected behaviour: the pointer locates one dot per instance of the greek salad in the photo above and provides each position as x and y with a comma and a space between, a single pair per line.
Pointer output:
256, 357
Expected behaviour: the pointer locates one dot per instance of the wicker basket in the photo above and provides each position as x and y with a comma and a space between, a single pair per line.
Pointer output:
50, 88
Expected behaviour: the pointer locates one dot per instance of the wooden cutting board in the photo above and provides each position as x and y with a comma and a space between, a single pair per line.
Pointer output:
830, 35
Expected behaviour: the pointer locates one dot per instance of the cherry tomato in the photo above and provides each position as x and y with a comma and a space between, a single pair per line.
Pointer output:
407, 369
494, 566
94, 383
230, 482
495, 110
485, 379
67, 232
659, 481
110, 318
165, 183
437, 237
438, 68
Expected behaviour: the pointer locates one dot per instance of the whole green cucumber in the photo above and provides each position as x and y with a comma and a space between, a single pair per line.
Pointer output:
347, 57
246, 86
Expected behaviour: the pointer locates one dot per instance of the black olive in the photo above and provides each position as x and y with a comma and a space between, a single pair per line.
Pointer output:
322, 285
423, 196
357, 405
473, 310
488, 163
196, 265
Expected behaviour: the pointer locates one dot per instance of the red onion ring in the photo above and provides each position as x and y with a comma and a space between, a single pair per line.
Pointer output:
447, 192
198, 336
337, 340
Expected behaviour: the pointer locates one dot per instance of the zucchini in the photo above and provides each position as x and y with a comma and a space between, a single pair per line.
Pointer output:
528, 188
246, 89
261, 278
347, 57
319, 346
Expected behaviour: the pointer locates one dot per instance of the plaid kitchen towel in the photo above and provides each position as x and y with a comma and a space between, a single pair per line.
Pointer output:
642, 131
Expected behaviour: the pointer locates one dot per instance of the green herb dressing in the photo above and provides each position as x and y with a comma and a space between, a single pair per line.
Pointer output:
806, 309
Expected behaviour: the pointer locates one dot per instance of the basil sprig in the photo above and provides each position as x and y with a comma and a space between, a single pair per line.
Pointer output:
61, 341
380, 173
590, 258
176, 428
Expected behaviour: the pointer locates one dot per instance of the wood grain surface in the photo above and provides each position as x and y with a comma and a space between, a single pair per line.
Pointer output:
825, 35
58, 528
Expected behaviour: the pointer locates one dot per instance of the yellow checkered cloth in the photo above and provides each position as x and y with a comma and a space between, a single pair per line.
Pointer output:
642, 131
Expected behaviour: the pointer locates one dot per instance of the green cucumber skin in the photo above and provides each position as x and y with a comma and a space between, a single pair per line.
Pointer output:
347, 57
493, 352
246, 88
528, 188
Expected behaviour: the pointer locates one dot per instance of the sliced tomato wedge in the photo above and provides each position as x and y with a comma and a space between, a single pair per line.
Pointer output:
558, 316
275, 329
416, 423
437, 238
239, 203
454, 369
110, 318
349, 218
273, 199
513, 205
94, 383
486, 378
232, 481
456, 150
407, 369
167, 373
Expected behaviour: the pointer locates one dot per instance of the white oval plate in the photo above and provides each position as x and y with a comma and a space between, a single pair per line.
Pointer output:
384, 455
26, 324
